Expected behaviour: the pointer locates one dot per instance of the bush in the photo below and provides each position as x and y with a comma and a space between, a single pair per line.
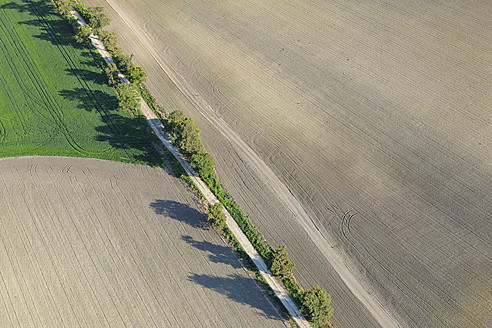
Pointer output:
108, 39
281, 265
203, 164
216, 217
129, 97
316, 306
149, 99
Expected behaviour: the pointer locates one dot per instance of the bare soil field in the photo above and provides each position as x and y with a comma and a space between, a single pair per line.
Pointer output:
92, 243
375, 115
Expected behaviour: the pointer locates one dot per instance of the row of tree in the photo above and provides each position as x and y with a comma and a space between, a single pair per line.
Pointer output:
186, 136
314, 303
96, 19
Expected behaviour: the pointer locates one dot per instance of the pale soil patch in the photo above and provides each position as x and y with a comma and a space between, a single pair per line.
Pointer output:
96, 243
375, 115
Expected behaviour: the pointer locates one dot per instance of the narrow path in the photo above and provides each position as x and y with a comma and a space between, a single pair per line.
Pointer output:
157, 126
383, 317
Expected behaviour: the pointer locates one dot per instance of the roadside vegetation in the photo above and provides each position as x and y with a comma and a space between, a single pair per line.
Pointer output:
216, 217
314, 303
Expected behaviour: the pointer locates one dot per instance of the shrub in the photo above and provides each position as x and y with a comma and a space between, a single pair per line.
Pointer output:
316, 306
129, 97
203, 164
281, 265
216, 217
108, 39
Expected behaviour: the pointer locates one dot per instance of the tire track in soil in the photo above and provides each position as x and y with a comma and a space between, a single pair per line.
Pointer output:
267, 175
3, 132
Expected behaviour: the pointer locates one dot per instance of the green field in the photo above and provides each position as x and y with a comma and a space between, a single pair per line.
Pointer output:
54, 100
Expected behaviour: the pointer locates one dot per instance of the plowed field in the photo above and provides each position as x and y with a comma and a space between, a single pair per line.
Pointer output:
375, 115
91, 243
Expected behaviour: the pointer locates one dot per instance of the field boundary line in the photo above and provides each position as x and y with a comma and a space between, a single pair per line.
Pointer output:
157, 126
358, 287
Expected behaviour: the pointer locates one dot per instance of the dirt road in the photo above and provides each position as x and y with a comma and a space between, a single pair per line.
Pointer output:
266, 174
374, 115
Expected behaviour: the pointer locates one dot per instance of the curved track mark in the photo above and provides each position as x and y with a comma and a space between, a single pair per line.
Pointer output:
266, 174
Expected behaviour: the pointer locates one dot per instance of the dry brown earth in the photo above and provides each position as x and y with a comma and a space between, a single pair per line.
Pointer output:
375, 114
91, 243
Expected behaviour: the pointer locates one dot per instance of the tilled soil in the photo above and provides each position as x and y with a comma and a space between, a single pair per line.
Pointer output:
91, 243
377, 118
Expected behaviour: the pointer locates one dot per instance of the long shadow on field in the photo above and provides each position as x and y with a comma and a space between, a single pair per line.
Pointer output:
53, 28
90, 100
217, 253
132, 133
180, 212
239, 289
16, 6
121, 132
87, 75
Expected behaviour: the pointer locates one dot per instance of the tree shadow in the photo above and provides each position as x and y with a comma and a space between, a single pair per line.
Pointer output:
180, 212
217, 253
121, 132
54, 29
88, 75
239, 289
14, 5
91, 100
131, 133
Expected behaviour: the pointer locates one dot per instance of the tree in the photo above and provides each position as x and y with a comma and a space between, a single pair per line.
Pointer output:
83, 34
281, 265
112, 73
117, 54
176, 116
185, 134
216, 217
64, 7
108, 39
129, 97
97, 18
203, 164
137, 74
189, 137
125, 63
316, 306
